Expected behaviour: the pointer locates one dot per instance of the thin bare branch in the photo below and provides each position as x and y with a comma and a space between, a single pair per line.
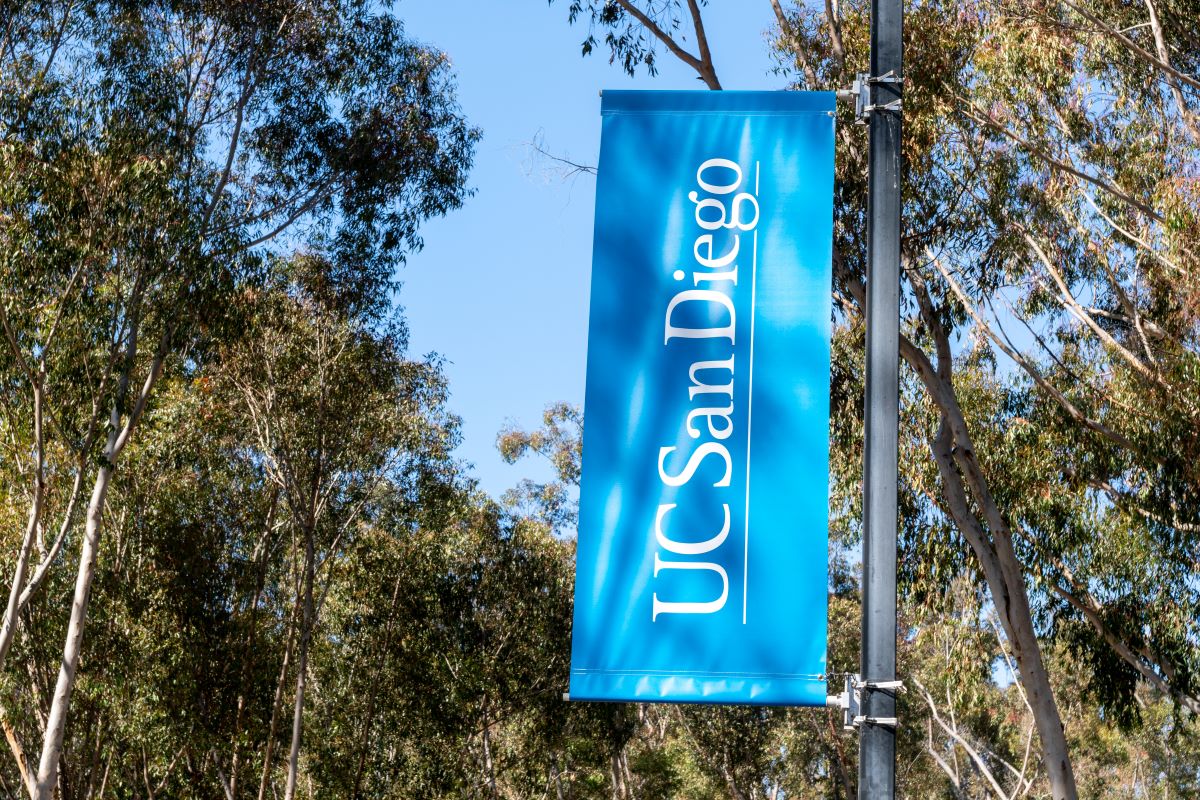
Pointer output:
969, 110
319, 193
1142, 243
1133, 46
1067, 298
139, 406
952, 732
1027, 365
1160, 44
833, 19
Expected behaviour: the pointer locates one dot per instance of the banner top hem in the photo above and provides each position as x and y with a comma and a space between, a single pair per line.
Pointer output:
692, 101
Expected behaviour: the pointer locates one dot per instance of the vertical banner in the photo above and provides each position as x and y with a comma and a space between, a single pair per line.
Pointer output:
702, 560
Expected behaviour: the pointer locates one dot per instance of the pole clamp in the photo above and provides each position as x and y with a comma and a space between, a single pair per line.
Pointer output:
850, 701
885, 722
860, 94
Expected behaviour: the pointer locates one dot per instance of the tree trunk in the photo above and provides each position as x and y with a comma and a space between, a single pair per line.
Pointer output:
556, 777
618, 781
629, 784
1035, 679
56, 722
488, 764
369, 724
839, 756
1005, 580
248, 650
49, 775
273, 726
8, 628
18, 751
306, 625
954, 452
734, 792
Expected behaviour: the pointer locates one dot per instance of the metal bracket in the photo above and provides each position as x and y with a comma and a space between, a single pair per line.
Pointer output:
850, 701
887, 722
860, 94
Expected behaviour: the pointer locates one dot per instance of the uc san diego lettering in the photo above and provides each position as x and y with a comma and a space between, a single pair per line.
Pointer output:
700, 322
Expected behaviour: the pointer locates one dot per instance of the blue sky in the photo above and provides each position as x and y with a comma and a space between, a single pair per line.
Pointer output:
501, 288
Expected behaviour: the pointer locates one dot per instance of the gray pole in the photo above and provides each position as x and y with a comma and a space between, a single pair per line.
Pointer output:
877, 743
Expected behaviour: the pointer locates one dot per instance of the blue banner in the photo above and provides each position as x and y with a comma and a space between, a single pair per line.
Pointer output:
702, 560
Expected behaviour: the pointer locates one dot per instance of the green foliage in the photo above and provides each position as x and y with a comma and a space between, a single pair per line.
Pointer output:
201, 208
202, 205
559, 441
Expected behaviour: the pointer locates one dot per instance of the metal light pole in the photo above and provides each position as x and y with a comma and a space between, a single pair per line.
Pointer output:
877, 738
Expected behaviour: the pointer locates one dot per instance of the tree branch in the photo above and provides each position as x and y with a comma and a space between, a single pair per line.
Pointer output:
665, 38
1141, 53
953, 733
1028, 366
710, 74
968, 109
785, 29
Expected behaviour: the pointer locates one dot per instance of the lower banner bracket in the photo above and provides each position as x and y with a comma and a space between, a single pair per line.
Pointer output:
850, 701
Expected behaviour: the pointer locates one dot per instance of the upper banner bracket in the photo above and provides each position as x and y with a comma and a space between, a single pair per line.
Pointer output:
860, 95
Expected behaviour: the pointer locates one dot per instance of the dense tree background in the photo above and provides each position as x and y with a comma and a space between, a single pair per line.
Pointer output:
242, 561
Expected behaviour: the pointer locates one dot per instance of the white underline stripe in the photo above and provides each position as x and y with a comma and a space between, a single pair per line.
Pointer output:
750, 408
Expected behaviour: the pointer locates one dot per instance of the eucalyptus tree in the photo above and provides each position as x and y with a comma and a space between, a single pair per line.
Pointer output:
152, 155
187, 624
88, 277
338, 420
263, 490
559, 441
1091, 296
440, 666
